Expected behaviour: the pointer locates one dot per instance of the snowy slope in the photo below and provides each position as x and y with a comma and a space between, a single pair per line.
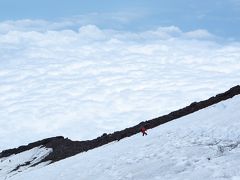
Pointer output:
12, 165
203, 145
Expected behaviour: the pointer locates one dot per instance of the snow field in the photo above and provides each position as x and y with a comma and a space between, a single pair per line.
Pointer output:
203, 145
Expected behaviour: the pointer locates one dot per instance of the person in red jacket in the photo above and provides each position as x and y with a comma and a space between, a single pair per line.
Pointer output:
143, 130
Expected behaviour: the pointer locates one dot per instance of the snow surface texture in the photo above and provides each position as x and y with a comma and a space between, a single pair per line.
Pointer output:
14, 164
203, 145
81, 84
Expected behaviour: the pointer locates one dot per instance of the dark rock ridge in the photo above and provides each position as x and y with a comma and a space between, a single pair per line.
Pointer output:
64, 147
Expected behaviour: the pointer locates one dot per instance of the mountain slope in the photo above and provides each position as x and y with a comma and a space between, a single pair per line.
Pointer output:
58, 148
202, 145
63, 148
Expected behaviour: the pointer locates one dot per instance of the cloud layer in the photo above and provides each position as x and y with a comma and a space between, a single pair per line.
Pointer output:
80, 84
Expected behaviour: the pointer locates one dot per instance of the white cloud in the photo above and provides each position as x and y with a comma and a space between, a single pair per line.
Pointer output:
163, 33
32, 25
117, 18
91, 32
83, 83
199, 34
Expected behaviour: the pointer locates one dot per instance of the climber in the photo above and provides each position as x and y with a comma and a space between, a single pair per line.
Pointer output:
143, 130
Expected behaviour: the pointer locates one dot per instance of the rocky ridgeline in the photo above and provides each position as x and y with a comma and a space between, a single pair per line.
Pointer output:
64, 147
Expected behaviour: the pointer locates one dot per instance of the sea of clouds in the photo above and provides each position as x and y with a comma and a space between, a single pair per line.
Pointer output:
81, 83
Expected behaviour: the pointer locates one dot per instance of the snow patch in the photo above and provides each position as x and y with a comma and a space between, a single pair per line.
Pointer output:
25, 161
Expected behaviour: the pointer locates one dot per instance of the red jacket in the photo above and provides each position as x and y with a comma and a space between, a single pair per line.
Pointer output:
143, 129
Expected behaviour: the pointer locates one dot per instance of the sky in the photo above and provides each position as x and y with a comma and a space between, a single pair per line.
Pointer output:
219, 17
